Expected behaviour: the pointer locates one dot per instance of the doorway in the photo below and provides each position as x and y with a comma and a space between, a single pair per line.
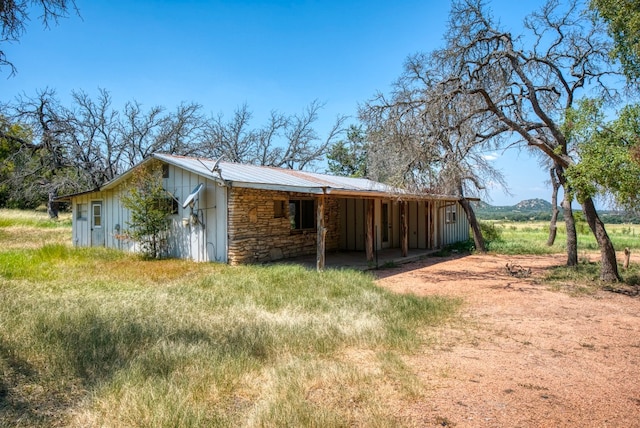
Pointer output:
97, 229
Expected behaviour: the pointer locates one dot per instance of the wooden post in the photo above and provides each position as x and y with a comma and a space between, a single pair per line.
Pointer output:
627, 257
405, 228
369, 238
321, 234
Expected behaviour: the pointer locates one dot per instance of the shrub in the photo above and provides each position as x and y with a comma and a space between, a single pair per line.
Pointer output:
490, 231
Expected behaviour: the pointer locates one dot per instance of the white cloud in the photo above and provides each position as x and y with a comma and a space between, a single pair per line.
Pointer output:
491, 156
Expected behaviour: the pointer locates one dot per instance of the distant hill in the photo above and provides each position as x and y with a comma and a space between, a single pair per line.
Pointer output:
539, 210
526, 206
533, 205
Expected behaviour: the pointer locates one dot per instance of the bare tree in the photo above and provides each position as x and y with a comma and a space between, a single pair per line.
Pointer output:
528, 88
43, 167
231, 139
94, 141
89, 143
423, 138
15, 13
553, 223
140, 131
285, 141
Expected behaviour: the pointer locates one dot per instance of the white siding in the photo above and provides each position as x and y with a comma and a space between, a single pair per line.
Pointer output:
452, 231
201, 240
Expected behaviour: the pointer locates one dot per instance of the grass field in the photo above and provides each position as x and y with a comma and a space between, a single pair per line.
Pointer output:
531, 237
93, 337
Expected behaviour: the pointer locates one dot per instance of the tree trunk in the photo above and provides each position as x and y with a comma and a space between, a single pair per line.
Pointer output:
609, 264
570, 224
569, 221
52, 205
553, 224
478, 239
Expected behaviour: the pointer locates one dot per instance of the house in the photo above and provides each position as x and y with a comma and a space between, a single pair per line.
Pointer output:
236, 213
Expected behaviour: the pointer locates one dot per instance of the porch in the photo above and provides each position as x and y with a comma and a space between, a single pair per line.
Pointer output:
357, 259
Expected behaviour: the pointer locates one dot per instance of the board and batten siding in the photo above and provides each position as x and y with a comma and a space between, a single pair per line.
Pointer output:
430, 224
201, 240
197, 234
454, 225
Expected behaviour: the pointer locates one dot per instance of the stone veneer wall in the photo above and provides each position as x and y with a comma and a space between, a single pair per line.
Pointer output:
255, 235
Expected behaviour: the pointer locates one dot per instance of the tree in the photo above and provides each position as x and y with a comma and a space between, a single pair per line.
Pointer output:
606, 150
423, 139
150, 207
285, 141
15, 13
623, 22
84, 144
44, 168
348, 157
87, 143
526, 83
12, 136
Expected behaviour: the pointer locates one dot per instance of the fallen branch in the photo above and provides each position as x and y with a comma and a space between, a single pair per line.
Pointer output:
517, 270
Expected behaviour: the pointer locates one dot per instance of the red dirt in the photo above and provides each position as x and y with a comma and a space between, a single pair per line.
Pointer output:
523, 355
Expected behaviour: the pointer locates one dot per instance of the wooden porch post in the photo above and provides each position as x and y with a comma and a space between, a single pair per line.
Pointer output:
405, 228
321, 234
369, 238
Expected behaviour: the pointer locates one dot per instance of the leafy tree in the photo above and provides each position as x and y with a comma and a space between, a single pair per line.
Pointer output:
606, 150
348, 157
12, 136
623, 21
15, 13
149, 206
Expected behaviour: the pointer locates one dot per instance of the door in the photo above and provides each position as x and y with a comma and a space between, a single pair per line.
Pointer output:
97, 229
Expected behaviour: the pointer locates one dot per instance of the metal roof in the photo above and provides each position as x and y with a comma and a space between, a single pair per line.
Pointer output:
270, 178
241, 175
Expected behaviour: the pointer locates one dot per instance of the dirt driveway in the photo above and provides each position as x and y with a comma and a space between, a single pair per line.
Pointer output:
523, 355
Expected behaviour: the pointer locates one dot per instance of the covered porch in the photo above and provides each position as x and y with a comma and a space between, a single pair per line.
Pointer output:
356, 260
377, 231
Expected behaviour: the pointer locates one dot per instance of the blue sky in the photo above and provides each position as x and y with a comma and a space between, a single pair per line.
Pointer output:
271, 55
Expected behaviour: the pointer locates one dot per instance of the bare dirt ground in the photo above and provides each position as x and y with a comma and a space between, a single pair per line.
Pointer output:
523, 355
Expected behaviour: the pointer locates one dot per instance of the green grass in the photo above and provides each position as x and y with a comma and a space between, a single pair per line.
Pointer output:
94, 337
531, 238
40, 219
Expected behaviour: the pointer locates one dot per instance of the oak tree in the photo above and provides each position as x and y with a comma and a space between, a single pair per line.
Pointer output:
527, 82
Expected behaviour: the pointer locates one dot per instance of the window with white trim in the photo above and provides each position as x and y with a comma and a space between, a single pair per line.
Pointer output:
82, 211
451, 214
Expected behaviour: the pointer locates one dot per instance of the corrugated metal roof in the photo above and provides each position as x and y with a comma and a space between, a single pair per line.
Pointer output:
270, 178
242, 175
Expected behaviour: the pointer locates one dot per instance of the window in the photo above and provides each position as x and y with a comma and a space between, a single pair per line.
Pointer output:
165, 170
97, 214
169, 205
82, 211
302, 214
279, 209
450, 215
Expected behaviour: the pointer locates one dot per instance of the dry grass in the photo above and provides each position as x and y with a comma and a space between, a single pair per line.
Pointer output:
95, 337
